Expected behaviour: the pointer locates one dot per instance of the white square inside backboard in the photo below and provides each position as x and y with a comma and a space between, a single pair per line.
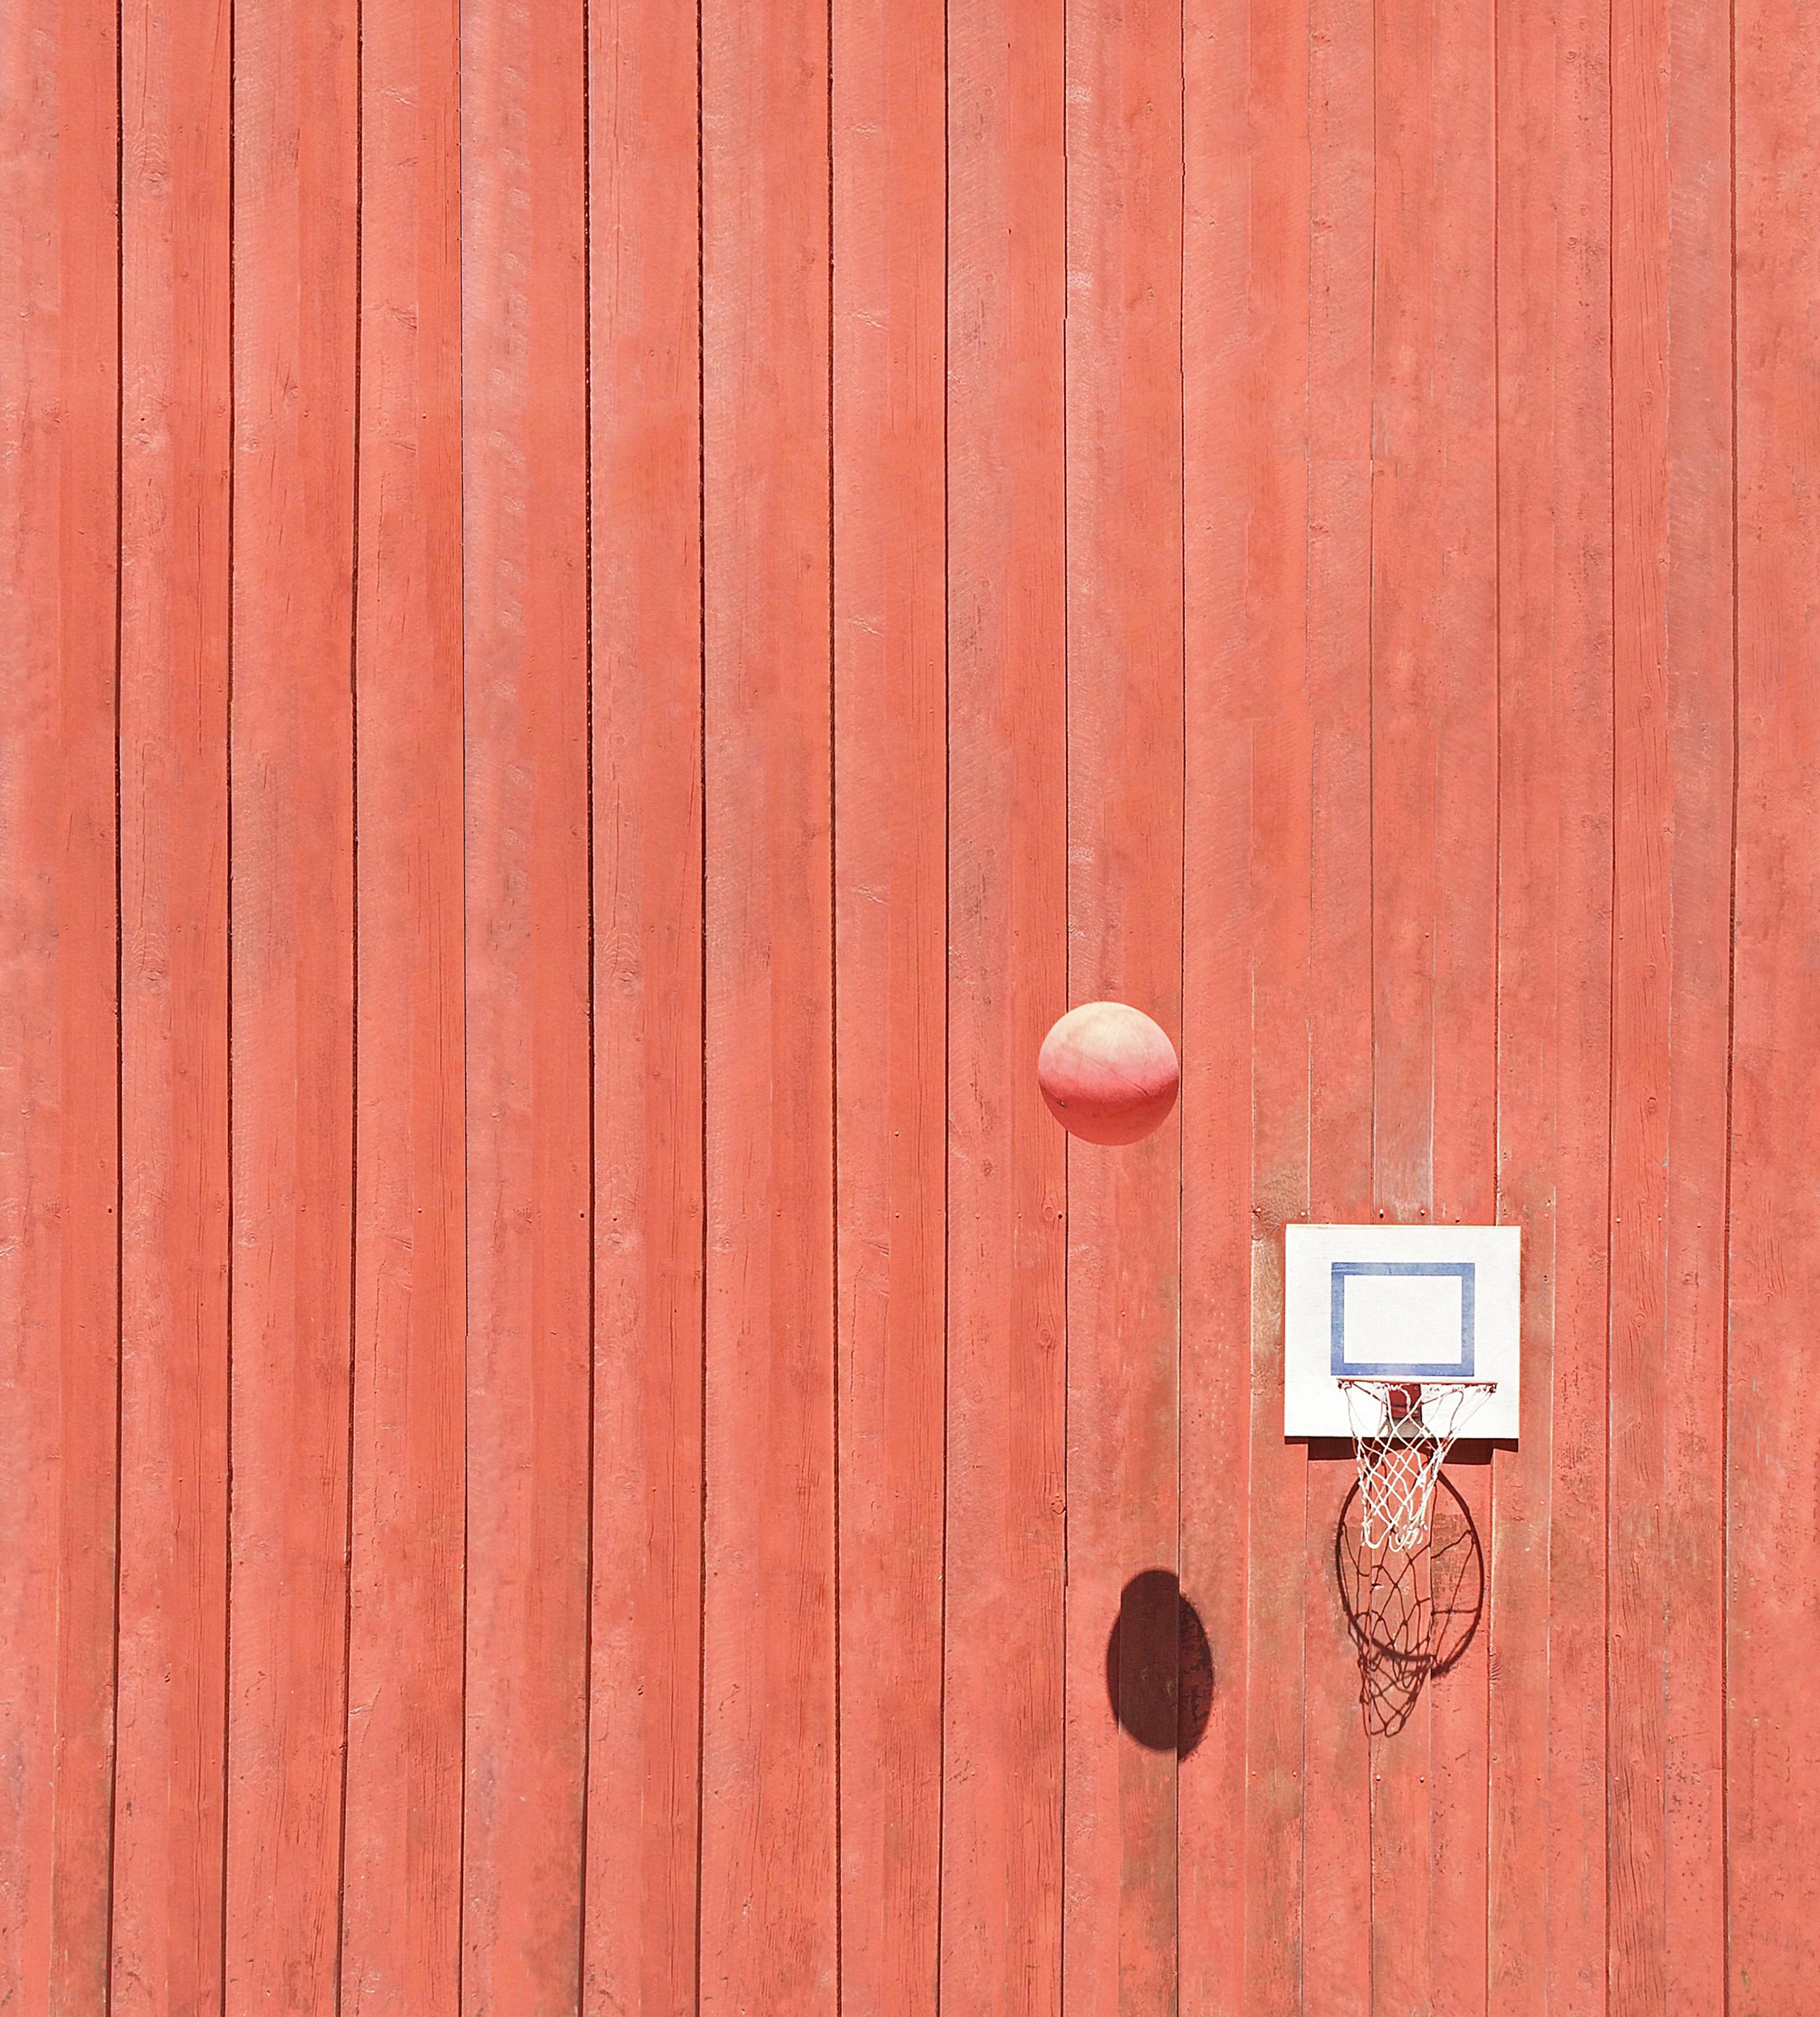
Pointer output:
1440, 1302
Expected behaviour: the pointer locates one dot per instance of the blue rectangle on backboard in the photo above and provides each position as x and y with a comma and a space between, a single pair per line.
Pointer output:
1461, 1369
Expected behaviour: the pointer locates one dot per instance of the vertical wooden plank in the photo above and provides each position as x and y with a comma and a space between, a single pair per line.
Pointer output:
1281, 845
1246, 1008
291, 978
1641, 1110
1002, 1860
59, 1135
1672, 776
890, 982
1216, 1045
1280, 850
401, 1903
1642, 265
1434, 767
530, 1209
645, 1671
1702, 754
1122, 427
1772, 1524
1123, 431
170, 1780
1225, 298
769, 1877
1337, 1850
1545, 1898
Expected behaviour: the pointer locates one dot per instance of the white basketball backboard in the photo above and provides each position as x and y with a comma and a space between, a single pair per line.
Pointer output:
1436, 1302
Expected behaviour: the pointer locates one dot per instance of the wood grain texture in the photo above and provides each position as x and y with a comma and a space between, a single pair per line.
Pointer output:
1546, 1879
1673, 681
595, 602
529, 1232
1772, 1732
890, 788
291, 904
1275, 1707
401, 1913
770, 1875
1001, 1846
1123, 434
645, 360
1236, 313
59, 1248
1434, 784
175, 446
1250, 641
1336, 1851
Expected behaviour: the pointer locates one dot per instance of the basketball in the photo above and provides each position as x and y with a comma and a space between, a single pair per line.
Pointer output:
1108, 1074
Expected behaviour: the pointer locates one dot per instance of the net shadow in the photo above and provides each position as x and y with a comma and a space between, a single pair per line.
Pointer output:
1411, 1614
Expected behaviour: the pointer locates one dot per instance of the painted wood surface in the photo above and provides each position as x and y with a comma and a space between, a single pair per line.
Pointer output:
291, 977
771, 1894
1546, 1837
645, 1640
606, 611
1672, 787
1005, 1474
1771, 1403
402, 1807
1122, 424
59, 1083
531, 1194
1435, 667
887, 360
176, 431
1246, 247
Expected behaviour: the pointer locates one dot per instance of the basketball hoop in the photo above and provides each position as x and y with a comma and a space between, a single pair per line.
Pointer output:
1402, 1431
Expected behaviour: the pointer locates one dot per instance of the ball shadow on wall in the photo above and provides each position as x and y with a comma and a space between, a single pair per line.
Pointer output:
1159, 1666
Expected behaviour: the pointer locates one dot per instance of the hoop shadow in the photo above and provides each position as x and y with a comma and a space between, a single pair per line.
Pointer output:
1159, 1666
1411, 1616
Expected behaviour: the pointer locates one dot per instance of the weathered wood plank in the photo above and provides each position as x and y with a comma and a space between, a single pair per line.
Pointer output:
645, 1661
1672, 678
1772, 1523
60, 1149
1433, 836
770, 1880
1122, 427
1248, 926
1244, 115
1336, 1806
402, 1879
529, 1232
292, 905
890, 764
1546, 1877
175, 445
1002, 1857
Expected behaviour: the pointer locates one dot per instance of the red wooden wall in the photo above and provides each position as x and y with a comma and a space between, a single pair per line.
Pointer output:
605, 609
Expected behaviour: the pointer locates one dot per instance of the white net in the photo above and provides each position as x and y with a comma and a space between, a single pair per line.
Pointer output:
1402, 1431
